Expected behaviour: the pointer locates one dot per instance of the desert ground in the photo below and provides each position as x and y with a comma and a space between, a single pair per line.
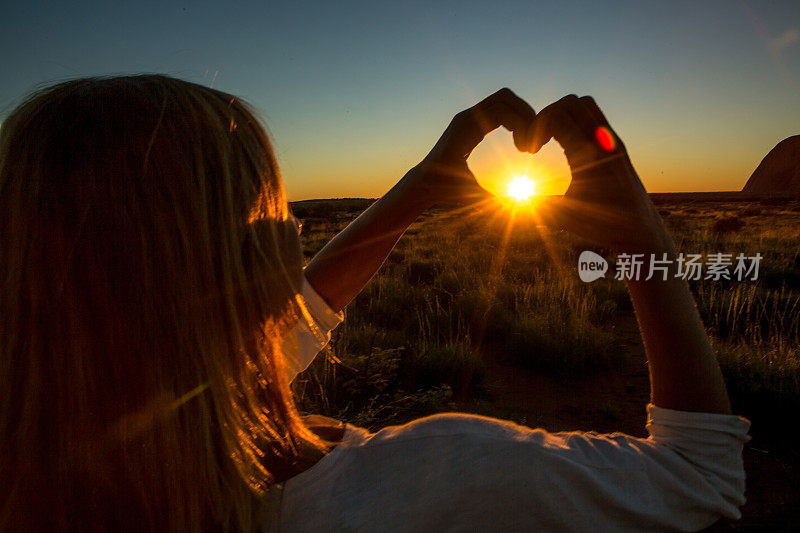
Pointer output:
480, 310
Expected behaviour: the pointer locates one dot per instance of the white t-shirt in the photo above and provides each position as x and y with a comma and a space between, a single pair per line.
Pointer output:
457, 472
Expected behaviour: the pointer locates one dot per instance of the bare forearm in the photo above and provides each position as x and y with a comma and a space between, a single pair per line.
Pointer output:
341, 269
684, 373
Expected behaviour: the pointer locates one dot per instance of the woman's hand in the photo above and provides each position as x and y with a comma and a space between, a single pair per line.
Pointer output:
443, 176
606, 202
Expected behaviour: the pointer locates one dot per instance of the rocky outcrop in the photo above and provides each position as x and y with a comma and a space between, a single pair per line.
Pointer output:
778, 173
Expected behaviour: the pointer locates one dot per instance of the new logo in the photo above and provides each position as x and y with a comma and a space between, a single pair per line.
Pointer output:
591, 266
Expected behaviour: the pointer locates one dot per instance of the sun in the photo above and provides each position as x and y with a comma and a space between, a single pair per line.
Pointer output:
521, 188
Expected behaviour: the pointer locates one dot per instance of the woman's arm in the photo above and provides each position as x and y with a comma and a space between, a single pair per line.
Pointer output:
684, 373
342, 268
607, 203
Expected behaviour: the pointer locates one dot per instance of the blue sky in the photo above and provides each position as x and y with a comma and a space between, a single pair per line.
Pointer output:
355, 94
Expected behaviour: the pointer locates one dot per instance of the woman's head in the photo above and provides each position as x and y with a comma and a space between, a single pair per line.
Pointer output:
148, 265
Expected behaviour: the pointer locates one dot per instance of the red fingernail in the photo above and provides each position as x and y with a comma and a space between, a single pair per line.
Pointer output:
605, 139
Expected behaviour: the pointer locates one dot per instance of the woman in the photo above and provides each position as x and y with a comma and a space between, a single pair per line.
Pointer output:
154, 309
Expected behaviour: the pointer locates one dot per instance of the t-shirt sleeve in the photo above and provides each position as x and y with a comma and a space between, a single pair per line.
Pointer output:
459, 472
311, 333
710, 447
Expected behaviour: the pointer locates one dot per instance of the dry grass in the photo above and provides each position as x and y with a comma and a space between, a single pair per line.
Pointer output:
461, 289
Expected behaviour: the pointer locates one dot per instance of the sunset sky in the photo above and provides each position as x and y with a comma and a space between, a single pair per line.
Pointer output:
354, 94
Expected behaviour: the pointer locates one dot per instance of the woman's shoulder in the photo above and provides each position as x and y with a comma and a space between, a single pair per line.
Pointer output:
401, 477
434, 445
451, 470
446, 425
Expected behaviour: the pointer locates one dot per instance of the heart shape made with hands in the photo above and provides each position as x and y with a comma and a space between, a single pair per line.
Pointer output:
583, 140
605, 202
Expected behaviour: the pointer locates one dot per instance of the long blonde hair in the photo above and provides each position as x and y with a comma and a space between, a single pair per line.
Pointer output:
147, 270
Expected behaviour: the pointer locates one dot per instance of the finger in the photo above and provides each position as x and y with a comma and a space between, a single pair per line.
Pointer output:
585, 141
606, 138
518, 104
522, 138
545, 125
507, 96
581, 114
472, 125
592, 108
555, 121
592, 123
506, 109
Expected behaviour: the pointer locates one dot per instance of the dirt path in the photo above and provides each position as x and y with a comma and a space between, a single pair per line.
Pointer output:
615, 400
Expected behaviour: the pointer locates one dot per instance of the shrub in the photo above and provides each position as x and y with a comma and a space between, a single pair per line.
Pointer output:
775, 201
727, 225
396, 257
545, 343
422, 273
455, 364
751, 212
300, 211
763, 382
